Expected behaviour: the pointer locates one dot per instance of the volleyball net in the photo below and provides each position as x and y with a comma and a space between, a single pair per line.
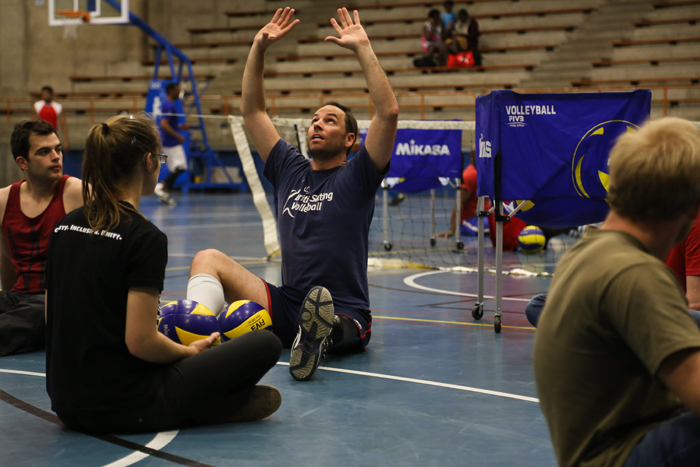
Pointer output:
416, 203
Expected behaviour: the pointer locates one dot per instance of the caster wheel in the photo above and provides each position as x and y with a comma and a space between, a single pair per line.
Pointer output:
387, 246
460, 245
478, 311
497, 324
433, 242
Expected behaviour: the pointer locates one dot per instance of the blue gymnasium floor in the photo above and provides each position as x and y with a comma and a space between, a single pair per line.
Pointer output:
435, 388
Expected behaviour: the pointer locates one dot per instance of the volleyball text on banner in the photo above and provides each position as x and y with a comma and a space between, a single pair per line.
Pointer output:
554, 150
421, 158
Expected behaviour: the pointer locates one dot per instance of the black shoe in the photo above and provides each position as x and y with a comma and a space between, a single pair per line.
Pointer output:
315, 326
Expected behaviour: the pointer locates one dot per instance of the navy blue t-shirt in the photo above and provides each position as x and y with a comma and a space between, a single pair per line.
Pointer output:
169, 107
324, 218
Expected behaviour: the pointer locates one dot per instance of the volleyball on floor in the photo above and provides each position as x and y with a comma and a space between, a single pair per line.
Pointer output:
531, 239
187, 321
241, 317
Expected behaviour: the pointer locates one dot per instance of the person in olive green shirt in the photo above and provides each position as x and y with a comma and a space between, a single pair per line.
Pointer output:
617, 355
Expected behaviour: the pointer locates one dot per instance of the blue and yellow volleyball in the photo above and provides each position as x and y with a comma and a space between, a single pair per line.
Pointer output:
531, 239
241, 317
187, 321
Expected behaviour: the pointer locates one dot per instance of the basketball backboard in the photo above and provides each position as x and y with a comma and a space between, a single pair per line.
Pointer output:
79, 12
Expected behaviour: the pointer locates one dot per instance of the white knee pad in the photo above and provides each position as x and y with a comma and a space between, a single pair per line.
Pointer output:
205, 289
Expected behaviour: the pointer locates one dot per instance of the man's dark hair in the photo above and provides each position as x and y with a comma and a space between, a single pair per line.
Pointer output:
350, 121
170, 86
47, 88
463, 12
19, 141
449, 2
434, 13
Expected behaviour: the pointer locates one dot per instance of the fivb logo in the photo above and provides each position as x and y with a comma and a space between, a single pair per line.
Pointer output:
484, 147
516, 113
413, 149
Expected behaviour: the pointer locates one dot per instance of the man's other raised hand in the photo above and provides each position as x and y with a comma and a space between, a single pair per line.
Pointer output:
277, 28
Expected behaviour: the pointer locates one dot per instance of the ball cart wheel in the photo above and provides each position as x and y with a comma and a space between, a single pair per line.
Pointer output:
460, 245
478, 311
497, 324
387, 246
433, 242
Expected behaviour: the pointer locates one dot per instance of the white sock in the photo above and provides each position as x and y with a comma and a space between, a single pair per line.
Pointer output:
205, 289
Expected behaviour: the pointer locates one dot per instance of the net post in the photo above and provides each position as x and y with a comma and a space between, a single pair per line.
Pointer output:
480, 255
385, 214
432, 217
458, 211
499, 218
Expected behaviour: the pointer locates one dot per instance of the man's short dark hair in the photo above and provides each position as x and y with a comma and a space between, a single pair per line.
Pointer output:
47, 88
449, 2
170, 86
19, 141
434, 13
350, 121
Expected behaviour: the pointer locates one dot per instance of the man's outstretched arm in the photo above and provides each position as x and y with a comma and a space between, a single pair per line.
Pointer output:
379, 141
260, 127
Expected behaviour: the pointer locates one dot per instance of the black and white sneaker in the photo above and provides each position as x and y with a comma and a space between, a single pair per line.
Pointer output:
315, 327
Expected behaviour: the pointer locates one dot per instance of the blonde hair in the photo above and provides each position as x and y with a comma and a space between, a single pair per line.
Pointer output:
113, 151
655, 172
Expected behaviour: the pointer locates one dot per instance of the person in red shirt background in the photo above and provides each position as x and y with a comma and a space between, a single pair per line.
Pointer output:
51, 111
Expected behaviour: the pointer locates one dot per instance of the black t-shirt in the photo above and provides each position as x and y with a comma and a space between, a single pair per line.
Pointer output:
88, 278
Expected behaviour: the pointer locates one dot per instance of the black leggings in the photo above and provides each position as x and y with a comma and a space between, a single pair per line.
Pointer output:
206, 388
22, 324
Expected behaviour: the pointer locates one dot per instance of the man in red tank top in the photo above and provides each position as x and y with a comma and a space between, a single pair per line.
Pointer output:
29, 209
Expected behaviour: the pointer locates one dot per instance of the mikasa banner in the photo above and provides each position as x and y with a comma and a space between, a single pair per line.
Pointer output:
554, 150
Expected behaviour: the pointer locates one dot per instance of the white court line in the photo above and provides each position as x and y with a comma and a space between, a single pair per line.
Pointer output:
18, 372
428, 383
411, 282
159, 442
172, 228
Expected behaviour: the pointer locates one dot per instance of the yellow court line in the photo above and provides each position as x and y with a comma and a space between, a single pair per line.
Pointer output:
449, 322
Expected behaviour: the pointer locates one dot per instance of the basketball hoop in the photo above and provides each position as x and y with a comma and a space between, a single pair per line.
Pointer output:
70, 26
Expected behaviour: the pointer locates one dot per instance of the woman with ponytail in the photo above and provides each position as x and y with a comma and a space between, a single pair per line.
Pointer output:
108, 368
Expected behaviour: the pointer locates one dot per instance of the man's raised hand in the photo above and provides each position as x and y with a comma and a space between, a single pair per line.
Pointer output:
352, 34
277, 28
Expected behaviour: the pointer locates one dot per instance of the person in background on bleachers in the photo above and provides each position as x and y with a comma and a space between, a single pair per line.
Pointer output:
449, 16
432, 39
464, 36
51, 111
172, 144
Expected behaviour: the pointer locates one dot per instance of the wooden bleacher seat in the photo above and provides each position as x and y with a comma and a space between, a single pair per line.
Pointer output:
194, 61
77, 79
250, 27
496, 15
242, 14
672, 41
409, 88
635, 81
651, 61
657, 22
412, 53
211, 45
426, 3
672, 3
391, 71
417, 35
90, 94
